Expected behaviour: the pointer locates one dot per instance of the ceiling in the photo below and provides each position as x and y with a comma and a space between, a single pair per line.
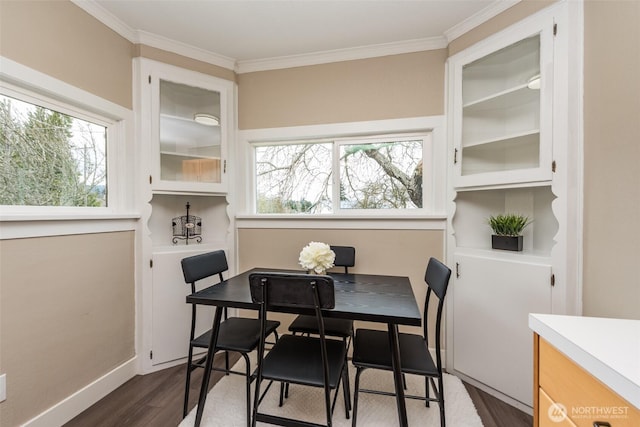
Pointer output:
244, 31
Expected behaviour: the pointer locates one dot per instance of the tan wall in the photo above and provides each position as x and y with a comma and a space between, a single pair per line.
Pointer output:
611, 154
60, 39
394, 252
390, 87
67, 316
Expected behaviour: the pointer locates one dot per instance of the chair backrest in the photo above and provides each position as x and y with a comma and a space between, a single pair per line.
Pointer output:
201, 266
437, 278
345, 256
292, 290
295, 292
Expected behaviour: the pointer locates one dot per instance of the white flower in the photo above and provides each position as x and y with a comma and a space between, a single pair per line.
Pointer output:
317, 256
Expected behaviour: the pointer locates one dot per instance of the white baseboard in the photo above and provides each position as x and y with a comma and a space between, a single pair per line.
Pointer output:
79, 401
495, 393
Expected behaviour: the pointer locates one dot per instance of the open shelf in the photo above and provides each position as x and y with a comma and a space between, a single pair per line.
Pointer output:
212, 210
473, 208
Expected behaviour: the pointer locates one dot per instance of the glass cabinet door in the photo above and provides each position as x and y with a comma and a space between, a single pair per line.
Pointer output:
190, 133
185, 122
504, 115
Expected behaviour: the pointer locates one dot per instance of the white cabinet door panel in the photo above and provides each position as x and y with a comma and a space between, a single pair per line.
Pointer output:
171, 313
492, 342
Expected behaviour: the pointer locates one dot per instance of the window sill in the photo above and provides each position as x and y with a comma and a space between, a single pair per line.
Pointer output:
66, 216
417, 222
28, 225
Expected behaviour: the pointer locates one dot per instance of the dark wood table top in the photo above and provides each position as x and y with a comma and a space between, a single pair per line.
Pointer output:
369, 297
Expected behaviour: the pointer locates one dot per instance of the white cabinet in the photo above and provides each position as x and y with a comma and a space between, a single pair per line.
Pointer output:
502, 109
492, 339
188, 122
171, 316
510, 152
182, 162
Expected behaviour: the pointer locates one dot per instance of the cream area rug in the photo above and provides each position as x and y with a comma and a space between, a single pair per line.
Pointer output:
225, 406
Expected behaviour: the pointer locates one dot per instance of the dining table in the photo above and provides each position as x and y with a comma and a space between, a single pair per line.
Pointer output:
384, 299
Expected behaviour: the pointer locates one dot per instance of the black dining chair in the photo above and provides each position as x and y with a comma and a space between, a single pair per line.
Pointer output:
298, 359
236, 334
342, 328
371, 348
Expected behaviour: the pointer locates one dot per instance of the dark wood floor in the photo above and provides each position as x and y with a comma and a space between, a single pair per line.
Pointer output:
156, 400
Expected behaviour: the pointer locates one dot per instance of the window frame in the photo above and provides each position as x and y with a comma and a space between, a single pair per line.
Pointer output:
434, 154
26, 84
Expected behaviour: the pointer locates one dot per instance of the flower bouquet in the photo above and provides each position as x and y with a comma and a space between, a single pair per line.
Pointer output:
317, 257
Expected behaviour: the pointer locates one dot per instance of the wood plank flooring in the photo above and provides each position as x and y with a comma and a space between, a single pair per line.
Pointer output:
156, 400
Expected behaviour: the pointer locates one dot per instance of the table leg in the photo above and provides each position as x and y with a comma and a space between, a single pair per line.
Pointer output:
208, 364
394, 343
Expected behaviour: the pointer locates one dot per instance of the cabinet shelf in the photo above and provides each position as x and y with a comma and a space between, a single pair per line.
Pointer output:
188, 155
514, 138
183, 132
530, 257
509, 98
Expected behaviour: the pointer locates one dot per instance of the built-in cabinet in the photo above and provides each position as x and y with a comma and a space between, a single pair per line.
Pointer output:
508, 141
185, 126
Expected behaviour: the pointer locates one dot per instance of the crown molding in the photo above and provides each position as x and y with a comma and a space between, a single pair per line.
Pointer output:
184, 49
338, 55
479, 18
315, 58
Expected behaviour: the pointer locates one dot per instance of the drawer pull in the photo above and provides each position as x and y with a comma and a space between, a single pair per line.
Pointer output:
601, 424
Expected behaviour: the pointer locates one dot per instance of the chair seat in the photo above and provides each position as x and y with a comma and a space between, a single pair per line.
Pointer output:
297, 359
236, 334
332, 327
372, 350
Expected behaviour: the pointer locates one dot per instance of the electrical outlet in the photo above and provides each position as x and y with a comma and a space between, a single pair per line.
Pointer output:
3, 387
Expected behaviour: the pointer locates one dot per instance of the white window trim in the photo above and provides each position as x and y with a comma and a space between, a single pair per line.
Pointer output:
435, 125
17, 78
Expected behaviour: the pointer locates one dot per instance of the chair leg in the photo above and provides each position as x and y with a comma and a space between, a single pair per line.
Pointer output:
347, 387
426, 390
256, 399
188, 383
346, 391
226, 362
282, 385
356, 389
441, 400
328, 408
248, 379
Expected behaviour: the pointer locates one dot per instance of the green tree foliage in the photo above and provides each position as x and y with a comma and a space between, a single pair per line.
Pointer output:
38, 165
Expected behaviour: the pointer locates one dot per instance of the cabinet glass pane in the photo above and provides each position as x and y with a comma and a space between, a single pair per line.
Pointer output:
189, 133
501, 110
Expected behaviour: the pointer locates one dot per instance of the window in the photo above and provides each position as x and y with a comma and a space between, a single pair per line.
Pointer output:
343, 175
50, 156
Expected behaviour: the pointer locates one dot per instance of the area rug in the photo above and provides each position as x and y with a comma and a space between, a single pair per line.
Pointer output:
225, 406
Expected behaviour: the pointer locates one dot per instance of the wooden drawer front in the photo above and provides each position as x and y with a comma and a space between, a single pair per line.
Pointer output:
586, 399
548, 416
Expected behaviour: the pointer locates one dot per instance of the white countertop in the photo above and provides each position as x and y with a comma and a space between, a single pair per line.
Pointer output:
609, 349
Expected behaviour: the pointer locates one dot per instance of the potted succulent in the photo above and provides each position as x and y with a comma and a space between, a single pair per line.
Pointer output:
507, 231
